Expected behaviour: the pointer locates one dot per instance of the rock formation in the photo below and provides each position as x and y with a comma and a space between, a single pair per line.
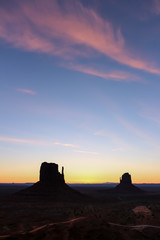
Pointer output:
49, 173
126, 179
52, 185
126, 185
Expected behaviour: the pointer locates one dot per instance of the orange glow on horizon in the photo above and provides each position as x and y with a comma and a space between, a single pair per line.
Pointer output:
81, 182
80, 179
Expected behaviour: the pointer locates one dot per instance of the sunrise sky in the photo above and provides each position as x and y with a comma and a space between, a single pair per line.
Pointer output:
80, 86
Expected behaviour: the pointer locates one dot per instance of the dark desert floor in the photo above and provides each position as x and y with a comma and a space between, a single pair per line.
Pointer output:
104, 216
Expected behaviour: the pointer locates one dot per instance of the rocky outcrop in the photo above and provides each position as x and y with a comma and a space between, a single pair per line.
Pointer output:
51, 185
49, 173
126, 179
126, 185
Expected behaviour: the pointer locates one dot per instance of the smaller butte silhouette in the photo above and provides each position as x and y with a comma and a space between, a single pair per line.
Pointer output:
126, 186
51, 184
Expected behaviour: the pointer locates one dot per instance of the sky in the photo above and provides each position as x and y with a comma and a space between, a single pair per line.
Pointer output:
79, 86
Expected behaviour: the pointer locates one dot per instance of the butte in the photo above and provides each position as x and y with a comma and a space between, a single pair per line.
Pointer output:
51, 185
126, 186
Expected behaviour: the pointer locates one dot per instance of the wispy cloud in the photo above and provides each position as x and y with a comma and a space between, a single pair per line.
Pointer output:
68, 31
117, 149
100, 133
66, 145
115, 75
114, 138
28, 91
147, 138
133, 129
150, 112
25, 141
156, 7
36, 142
86, 152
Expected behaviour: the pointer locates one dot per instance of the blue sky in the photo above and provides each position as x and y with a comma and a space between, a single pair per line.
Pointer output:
80, 87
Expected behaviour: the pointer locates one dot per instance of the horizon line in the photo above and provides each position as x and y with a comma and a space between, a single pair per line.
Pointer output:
81, 183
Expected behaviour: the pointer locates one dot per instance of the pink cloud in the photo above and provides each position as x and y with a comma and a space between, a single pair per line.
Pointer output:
35, 142
100, 133
156, 7
66, 32
25, 141
26, 91
119, 76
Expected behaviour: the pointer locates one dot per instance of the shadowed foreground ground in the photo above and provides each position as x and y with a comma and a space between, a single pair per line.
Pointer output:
105, 217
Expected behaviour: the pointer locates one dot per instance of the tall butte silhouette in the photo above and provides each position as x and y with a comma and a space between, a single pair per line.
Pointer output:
52, 184
126, 186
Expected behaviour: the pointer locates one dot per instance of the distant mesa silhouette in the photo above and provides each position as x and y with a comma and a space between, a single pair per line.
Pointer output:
51, 184
126, 186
